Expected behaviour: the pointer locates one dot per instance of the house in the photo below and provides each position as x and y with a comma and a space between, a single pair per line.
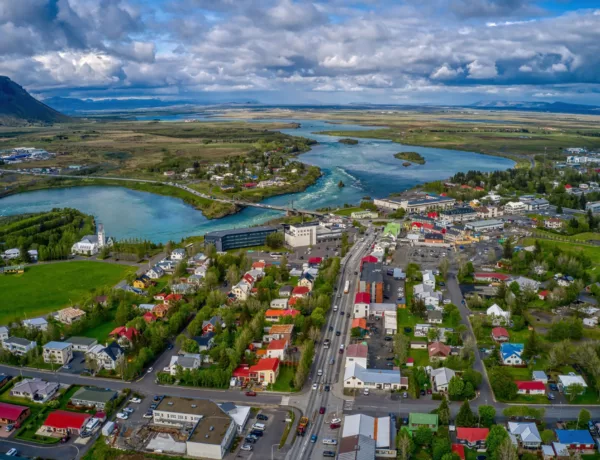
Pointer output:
187, 361
65, 422
511, 353
390, 323
429, 278
265, 371
82, 343
11, 414
241, 290
161, 310
485, 277
280, 331
36, 323
307, 280
565, 382
275, 315
93, 397
438, 351
125, 335
18, 346
107, 357
514, 207
212, 324
205, 342
285, 291
540, 376
440, 379
58, 353
576, 440
277, 349
149, 317
527, 283
357, 353
417, 420
531, 387
362, 302
474, 438
172, 298
499, 334
524, 435
361, 324
143, 282
70, 315
435, 317
357, 376
560, 451
553, 223
155, 272
3, 334
543, 294
300, 292
497, 315
279, 304
36, 390
178, 254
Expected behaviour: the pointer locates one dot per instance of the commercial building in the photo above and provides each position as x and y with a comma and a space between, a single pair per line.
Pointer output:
224, 240
58, 353
464, 214
380, 431
356, 376
364, 215
568, 382
431, 203
535, 204
300, 235
485, 225
371, 281
577, 440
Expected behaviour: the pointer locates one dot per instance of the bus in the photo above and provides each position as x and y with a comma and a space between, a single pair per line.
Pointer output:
347, 287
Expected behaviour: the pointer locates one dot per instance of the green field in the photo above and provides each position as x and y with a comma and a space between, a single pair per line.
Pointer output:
100, 333
286, 374
45, 288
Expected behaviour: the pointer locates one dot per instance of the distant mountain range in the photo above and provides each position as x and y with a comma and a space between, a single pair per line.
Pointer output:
17, 106
533, 106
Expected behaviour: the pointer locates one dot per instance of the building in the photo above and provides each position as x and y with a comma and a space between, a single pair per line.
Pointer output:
499, 334
430, 203
428, 278
362, 302
417, 420
357, 353
155, 272
239, 414
11, 414
265, 371
93, 397
236, 238
524, 435
356, 376
186, 361
3, 334
497, 315
273, 316
364, 215
279, 304
69, 315
82, 343
576, 440
106, 357
280, 331
381, 430
489, 277
178, 254
485, 225
535, 204
566, 382
356, 448
553, 223
300, 235
301, 292
371, 281
36, 390
511, 353
527, 283
58, 353
513, 207
285, 291
124, 335
465, 214
18, 346
435, 317
65, 422
277, 349
540, 376
472, 437
39, 324
390, 322
530, 387
91, 244
440, 379
438, 351
489, 212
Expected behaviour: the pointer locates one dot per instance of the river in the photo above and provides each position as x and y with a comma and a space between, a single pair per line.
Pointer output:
367, 169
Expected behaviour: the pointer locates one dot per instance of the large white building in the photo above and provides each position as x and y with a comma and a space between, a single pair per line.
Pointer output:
58, 352
91, 244
301, 235
430, 203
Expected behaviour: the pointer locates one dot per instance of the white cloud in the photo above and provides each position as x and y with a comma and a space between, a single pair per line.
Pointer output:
525, 68
480, 70
559, 67
445, 73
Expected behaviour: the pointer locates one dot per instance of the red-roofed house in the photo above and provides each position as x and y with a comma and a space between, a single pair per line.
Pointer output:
432, 215
472, 437
438, 350
357, 353
172, 298
65, 422
161, 310
542, 295
258, 266
491, 277
459, 450
249, 279
273, 315
161, 296
265, 370
362, 303
410, 362
300, 291
11, 414
568, 187
293, 301
499, 334
149, 317
242, 372
531, 387
250, 185
277, 349
315, 261
125, 335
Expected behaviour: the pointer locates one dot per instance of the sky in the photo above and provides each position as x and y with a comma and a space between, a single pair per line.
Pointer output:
305, 52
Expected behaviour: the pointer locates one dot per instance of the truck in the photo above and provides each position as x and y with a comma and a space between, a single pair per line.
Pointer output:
302, 426
347, 287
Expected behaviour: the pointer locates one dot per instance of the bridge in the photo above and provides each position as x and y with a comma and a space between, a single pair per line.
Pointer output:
289, 210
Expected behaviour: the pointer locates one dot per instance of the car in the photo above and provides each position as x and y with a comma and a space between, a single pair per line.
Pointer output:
257, 433
333, 426
65, 439
326, 388
313, 438
135, 400
408, 330
347, 315
12, 452
551, 397
328, 453
429, 391
390, 364
66, 366
366, 392
262, 417
405, 395
253, 437
122, 416
338, 333
249, 439
9, 427
322, 410
315, 386
481, 457
157, 398
320, 372
148, 414
341, 312
246, 447
447, 301
250, 393
356, 273
153, 406
129, 410
554, 387
336, 420
170, 346
441, 283
330, 328
149, 371
388, 338
390, 358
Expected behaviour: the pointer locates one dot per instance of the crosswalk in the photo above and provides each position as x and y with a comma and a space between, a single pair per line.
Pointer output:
348, 404
285, 401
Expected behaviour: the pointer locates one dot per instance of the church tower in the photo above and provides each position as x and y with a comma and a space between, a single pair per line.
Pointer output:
101, 236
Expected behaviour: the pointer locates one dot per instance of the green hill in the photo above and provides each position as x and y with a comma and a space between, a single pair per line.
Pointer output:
18, 106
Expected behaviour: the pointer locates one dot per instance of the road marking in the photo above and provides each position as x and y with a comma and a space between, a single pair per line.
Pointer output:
285, 401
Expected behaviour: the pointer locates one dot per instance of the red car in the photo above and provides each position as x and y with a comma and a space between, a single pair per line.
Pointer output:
333, 426
322, 410
250, 393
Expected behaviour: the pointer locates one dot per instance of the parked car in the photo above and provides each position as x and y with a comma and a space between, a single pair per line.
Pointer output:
321, 410
388, 338
246, 447
257, 433
328, 453
135, 400
405, 395
551, 397
250, 439
553, 387
122, 416
10, 427
250, 393
12, 452
157, 398
336, 420
149, 371
334, 426
262, 417
148, 414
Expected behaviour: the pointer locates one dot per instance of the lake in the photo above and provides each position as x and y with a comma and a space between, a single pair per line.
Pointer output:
367, 169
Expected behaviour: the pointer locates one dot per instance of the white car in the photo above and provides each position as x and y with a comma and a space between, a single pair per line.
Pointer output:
129, 410
246, 447
314, 386
447, 301
366, 392
150, 370
336, 420
135, 400
12, 452
320, 372
122, 416
147, 415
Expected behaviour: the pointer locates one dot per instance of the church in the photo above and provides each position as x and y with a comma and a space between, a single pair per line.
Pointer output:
91, 244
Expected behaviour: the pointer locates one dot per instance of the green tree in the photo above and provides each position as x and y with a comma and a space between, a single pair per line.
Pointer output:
440, 447
444, 267
506, 451
233, 274
423, 436
274, 240
418, 308
583, 418
487, 415
404, 444
444, 412
502, 383
455, 387
507, 248
495, 438
547, 436
465, 416
401, 347
471, 375
180, 269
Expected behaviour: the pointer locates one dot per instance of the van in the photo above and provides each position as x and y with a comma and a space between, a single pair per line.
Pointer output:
259, 426
330, 442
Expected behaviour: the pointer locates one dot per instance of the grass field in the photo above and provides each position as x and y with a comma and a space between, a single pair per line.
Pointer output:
347, 211
593, 252
286, 374
45, 288
100, 333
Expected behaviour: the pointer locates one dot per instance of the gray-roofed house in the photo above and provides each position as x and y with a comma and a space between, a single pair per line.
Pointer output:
36, 323
58, 352
239, 414
440, 379
82, 343
188, 361
435, 317
93, 397
36, 390
205, 342
356, 376
3, 333
107, 357
540, 376
18, 346
357, 447
525, 435
285, 291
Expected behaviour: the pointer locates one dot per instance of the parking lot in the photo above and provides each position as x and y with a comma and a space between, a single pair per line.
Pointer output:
77, 365
266, 446
329, 433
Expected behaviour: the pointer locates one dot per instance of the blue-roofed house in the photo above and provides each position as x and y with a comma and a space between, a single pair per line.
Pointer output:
576, 440
511, 354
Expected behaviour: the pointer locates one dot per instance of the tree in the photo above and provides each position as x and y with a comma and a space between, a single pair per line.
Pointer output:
441, 446
455, 387
423, 436
532, 346
495, 438
452, 315
507, 248
502, 383
418, 308
486, 415
444, 412
180, 269
401, 347
471, 375
465, 416
274, 240
444, 267
506, 451
233, 274
405, 445
547, 436
575, 389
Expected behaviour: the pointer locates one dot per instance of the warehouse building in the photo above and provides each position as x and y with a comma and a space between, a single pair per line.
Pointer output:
238, 237
485, 225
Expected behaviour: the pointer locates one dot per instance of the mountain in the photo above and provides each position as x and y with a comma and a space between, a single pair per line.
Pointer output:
555, 107
18, 106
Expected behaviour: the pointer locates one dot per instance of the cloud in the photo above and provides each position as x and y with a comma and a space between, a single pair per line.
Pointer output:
445, 73
480, 70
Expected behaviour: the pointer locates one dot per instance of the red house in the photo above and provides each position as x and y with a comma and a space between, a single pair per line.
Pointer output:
242, 372
265, 370
65, 422
472, 437
542, 295
499, 334
491, 277
531, 387
149, 317
11, 414
124, 334
300, 291
172, 298
315, 261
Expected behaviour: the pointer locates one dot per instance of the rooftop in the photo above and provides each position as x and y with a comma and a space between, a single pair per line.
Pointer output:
238, 231
88, 341
211, 429
178, 405
58, 345
94, 394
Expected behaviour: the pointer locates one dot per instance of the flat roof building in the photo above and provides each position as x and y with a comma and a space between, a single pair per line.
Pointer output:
238, 237
485, 225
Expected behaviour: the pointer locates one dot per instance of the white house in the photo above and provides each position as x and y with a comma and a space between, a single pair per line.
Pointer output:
18, 346
178, 254
527, 283
106, 357
440, 379
155, 272
566, 381
514, 207
356, 376
58, 352
36, 323
511, 354
280, 304
3, 334
187, 361
91, 244
277, 349
241, 290
497, 315
357, 353
429, 278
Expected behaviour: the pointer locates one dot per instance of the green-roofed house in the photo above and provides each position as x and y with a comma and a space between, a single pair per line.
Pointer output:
392, 229
417, 420
93, 397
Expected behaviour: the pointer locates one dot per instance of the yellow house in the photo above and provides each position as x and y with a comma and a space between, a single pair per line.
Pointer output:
142, 282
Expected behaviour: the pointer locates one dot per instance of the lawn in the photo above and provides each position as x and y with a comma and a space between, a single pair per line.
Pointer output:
286, 374
45, 288
348, 211
593, 252
100, 333
421, 357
